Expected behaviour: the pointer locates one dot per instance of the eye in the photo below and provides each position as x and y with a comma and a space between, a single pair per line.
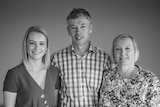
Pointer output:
42, 43
117, 49
127, 48
73, 28
31, 43
83, 27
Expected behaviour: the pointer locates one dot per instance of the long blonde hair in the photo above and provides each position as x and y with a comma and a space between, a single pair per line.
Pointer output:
46, 57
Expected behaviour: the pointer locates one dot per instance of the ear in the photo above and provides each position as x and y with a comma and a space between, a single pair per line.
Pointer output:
90, 28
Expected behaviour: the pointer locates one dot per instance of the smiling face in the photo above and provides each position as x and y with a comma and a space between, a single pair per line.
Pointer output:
79, 29
124, 52
36, 46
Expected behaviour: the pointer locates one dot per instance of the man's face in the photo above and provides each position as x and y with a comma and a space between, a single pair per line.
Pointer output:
79, 29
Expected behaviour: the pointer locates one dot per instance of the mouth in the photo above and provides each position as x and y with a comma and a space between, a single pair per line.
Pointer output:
36, 53
78, 38
123, 59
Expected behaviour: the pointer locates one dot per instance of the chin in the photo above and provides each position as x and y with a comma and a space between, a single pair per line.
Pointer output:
123, 64
38, 57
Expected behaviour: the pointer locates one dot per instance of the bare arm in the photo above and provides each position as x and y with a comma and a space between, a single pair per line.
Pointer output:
9, 99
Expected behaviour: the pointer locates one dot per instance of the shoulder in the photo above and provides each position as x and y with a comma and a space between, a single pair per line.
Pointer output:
53, 73
13, 78
147, 74
103, 55
53, 70
60, 52
99, 51
17, 72
17, 69
110, 73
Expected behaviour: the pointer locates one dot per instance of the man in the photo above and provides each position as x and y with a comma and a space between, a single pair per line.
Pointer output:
81, 63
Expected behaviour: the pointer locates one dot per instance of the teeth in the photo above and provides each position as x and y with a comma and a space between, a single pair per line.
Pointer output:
122, 58
36, 53
78, 38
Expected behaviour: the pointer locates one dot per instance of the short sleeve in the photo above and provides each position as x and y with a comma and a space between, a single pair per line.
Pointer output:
10, 83
58, 80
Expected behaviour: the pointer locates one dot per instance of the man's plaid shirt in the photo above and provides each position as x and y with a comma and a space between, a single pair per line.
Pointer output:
80, 76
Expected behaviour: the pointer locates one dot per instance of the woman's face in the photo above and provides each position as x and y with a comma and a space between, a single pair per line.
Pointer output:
124, 52
36, 46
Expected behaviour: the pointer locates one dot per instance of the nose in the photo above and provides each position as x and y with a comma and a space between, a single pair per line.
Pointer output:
77, 30
36, 46
122, 52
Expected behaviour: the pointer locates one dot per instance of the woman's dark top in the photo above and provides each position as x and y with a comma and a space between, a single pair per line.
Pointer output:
29, 93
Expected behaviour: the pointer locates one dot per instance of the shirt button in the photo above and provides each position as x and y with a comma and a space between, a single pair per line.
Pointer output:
42, 96
45, 102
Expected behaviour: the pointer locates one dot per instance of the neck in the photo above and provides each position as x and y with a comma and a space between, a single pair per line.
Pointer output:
126, 71
81, 50
35, 65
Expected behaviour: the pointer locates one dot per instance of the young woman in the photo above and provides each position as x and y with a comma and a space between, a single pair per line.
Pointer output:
33, 83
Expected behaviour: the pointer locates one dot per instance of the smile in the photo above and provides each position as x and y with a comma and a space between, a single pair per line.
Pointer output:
79, 38
122, 59
36, 53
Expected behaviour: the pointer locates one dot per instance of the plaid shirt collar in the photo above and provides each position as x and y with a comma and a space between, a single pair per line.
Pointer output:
91, 48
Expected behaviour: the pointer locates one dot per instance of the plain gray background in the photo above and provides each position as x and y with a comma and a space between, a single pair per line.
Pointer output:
140, 18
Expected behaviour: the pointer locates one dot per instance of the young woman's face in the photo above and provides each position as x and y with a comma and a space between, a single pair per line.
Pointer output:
124, 52
79, 29
36, 46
